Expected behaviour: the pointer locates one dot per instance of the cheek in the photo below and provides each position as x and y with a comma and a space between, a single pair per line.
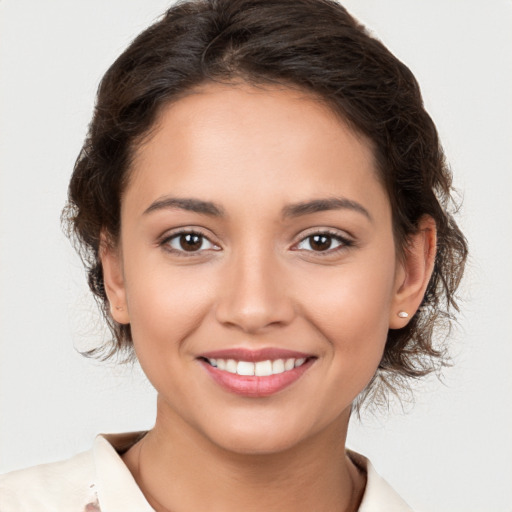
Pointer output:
350, 306
166, 304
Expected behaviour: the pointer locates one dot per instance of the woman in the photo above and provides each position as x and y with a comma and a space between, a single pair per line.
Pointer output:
261, 204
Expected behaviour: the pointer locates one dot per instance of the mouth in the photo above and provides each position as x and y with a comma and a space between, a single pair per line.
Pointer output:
256, 373
259, 369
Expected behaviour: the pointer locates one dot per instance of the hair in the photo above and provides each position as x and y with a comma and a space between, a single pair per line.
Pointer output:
313, 45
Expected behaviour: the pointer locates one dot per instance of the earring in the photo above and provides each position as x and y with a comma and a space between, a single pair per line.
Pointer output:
119, 308
403, 314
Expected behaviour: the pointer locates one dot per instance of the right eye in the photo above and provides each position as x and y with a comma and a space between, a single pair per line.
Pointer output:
188, 242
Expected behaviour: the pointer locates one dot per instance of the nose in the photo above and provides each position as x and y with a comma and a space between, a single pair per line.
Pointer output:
255, 296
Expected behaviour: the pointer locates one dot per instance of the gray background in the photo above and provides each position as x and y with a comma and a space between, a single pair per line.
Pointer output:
452, 450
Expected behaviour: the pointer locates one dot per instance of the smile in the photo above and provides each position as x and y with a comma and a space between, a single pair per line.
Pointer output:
259, 369
258, 373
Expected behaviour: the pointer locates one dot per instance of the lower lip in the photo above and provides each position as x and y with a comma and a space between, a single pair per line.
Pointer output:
254, 386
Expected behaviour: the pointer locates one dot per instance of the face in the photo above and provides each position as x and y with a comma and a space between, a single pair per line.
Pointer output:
256, 266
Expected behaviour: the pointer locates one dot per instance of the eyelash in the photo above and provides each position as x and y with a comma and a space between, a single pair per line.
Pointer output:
165, 243
344, 242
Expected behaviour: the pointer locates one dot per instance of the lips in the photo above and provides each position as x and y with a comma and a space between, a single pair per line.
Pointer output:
256, 373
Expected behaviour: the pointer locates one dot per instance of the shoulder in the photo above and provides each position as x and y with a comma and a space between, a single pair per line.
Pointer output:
378, 496
88, 482
64, 485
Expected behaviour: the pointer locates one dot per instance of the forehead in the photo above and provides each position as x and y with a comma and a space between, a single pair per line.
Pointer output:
262, 142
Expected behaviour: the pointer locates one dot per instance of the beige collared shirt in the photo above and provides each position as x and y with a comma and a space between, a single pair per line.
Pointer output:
99, 481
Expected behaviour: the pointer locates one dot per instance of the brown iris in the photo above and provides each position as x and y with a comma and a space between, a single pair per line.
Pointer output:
191, 242
320, 242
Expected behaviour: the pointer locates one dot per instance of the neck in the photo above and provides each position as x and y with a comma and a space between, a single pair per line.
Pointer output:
178, 469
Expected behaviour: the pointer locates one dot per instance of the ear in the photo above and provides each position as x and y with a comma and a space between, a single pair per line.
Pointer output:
113, 279
413, 272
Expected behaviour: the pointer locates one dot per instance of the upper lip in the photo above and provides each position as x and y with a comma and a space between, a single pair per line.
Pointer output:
263, 354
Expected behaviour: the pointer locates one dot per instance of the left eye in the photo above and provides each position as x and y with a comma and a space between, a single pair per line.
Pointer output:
321, 242
189, 242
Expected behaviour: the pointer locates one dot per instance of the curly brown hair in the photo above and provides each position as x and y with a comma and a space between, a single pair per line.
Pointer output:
314, 45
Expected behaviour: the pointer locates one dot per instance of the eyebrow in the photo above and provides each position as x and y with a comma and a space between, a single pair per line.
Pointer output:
189, 204
292, 210
322, 205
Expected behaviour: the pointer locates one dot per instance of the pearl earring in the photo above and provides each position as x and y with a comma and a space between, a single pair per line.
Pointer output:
403, 314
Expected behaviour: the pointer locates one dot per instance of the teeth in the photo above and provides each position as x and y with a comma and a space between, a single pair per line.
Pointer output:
263, 368
277, 366
260, 369
289, 364
231, 366
244, 368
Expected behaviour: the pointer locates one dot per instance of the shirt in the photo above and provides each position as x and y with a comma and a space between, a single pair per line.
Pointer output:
98, 481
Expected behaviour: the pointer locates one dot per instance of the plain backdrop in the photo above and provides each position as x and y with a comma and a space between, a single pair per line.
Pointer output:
449, 451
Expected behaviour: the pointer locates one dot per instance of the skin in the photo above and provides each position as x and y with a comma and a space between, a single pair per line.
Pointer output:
255, 282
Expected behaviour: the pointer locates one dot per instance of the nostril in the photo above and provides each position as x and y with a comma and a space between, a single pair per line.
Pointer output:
254, 313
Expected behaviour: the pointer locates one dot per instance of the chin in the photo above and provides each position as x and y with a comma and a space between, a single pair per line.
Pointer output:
263, 436
260, 443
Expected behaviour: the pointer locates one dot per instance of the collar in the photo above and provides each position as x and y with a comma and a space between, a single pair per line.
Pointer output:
116, 487
118, 491
378, 495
